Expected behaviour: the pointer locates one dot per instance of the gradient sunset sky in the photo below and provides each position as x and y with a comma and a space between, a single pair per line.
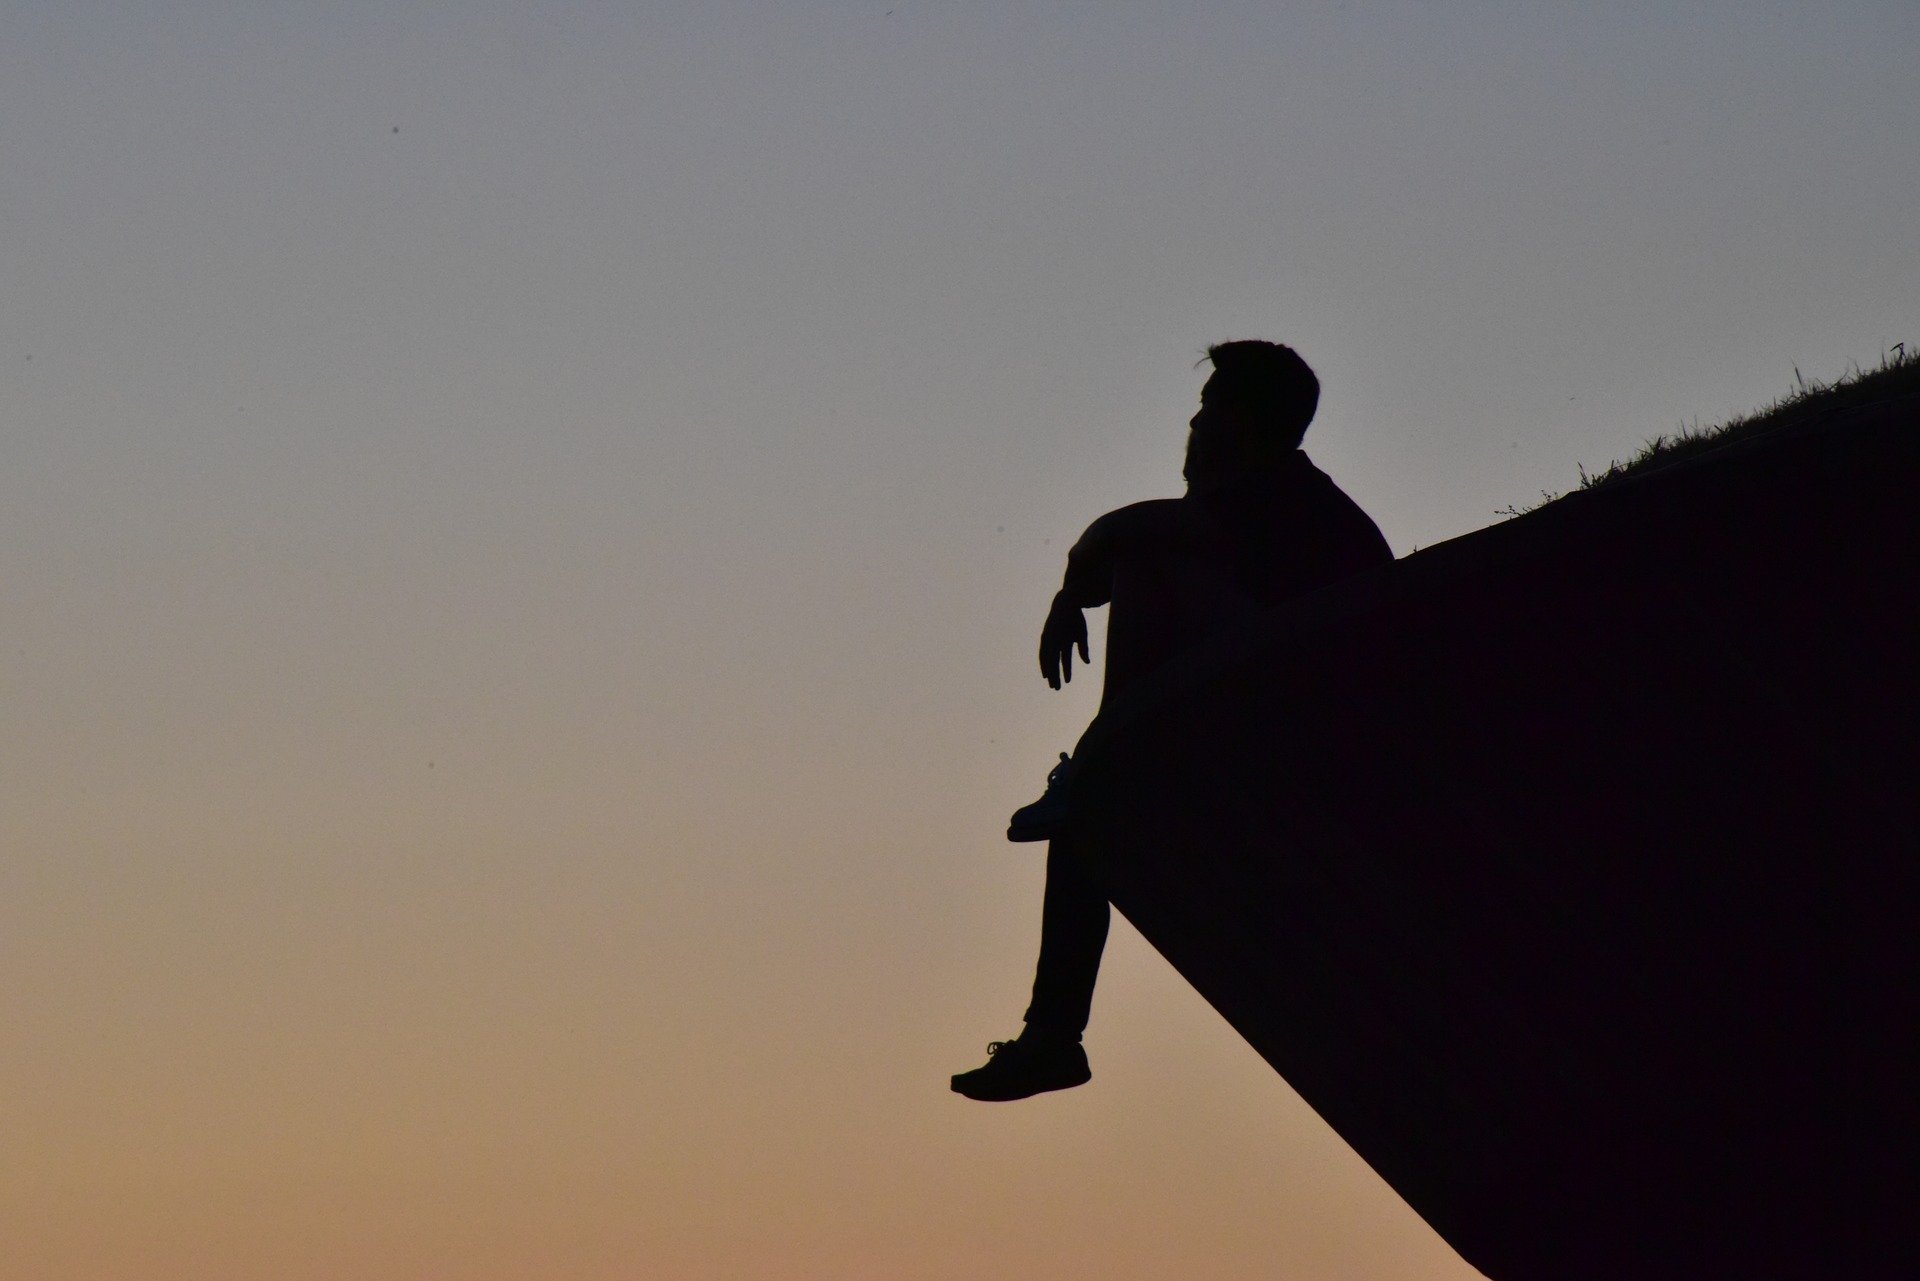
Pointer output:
525, 527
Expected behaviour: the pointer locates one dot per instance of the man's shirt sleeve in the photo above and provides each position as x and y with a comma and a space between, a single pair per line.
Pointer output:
1089, 579
1157, 526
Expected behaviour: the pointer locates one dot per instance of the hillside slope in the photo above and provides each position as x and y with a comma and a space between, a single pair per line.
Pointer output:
1567, 868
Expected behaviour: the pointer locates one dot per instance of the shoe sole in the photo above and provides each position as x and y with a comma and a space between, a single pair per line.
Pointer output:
992, 1096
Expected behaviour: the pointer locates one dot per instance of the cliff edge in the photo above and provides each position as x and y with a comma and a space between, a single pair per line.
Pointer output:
1567, 869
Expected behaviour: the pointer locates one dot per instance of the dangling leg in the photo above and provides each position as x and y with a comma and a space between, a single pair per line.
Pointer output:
1074, 917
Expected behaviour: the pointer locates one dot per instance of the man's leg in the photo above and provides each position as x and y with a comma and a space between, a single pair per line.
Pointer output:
1073, 932
1074, 917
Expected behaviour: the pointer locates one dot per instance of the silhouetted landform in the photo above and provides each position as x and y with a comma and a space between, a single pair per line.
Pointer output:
1567, 869
1812, 403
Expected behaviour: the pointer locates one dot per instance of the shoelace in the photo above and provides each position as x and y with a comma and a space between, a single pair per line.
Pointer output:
1053, 775
994, 1047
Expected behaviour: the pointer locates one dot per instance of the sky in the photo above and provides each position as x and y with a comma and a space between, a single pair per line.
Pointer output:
525, 529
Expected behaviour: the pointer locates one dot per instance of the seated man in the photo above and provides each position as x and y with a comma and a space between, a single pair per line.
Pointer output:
1259, 524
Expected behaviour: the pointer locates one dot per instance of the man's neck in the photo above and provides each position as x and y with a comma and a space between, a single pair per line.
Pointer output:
1288, 468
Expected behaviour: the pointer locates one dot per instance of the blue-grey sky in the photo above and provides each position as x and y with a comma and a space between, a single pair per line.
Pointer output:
526, 526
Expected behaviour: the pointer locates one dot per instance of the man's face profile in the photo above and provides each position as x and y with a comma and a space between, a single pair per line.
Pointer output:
1220, 415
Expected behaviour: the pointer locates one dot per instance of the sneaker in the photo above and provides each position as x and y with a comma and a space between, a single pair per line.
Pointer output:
1042, 820
1028, 1066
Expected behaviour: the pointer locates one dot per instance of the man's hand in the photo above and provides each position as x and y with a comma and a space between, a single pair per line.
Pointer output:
1065, 631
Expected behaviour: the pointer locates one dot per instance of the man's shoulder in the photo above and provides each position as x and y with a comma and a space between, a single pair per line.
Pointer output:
1151, 526
1145, 509
1149, 513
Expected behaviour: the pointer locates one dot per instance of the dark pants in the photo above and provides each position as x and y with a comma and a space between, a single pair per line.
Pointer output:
1073, 932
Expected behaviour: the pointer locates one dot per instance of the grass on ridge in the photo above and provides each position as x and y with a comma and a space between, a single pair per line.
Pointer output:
1897, 375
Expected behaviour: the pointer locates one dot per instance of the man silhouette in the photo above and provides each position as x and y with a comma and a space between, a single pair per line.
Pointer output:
1259, 524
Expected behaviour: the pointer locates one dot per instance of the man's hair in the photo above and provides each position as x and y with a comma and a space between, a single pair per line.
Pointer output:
1272, 384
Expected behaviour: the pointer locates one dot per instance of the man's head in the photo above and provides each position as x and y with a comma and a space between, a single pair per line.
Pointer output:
1254, 409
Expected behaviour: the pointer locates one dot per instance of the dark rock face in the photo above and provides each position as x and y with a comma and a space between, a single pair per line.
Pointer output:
1568, 869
